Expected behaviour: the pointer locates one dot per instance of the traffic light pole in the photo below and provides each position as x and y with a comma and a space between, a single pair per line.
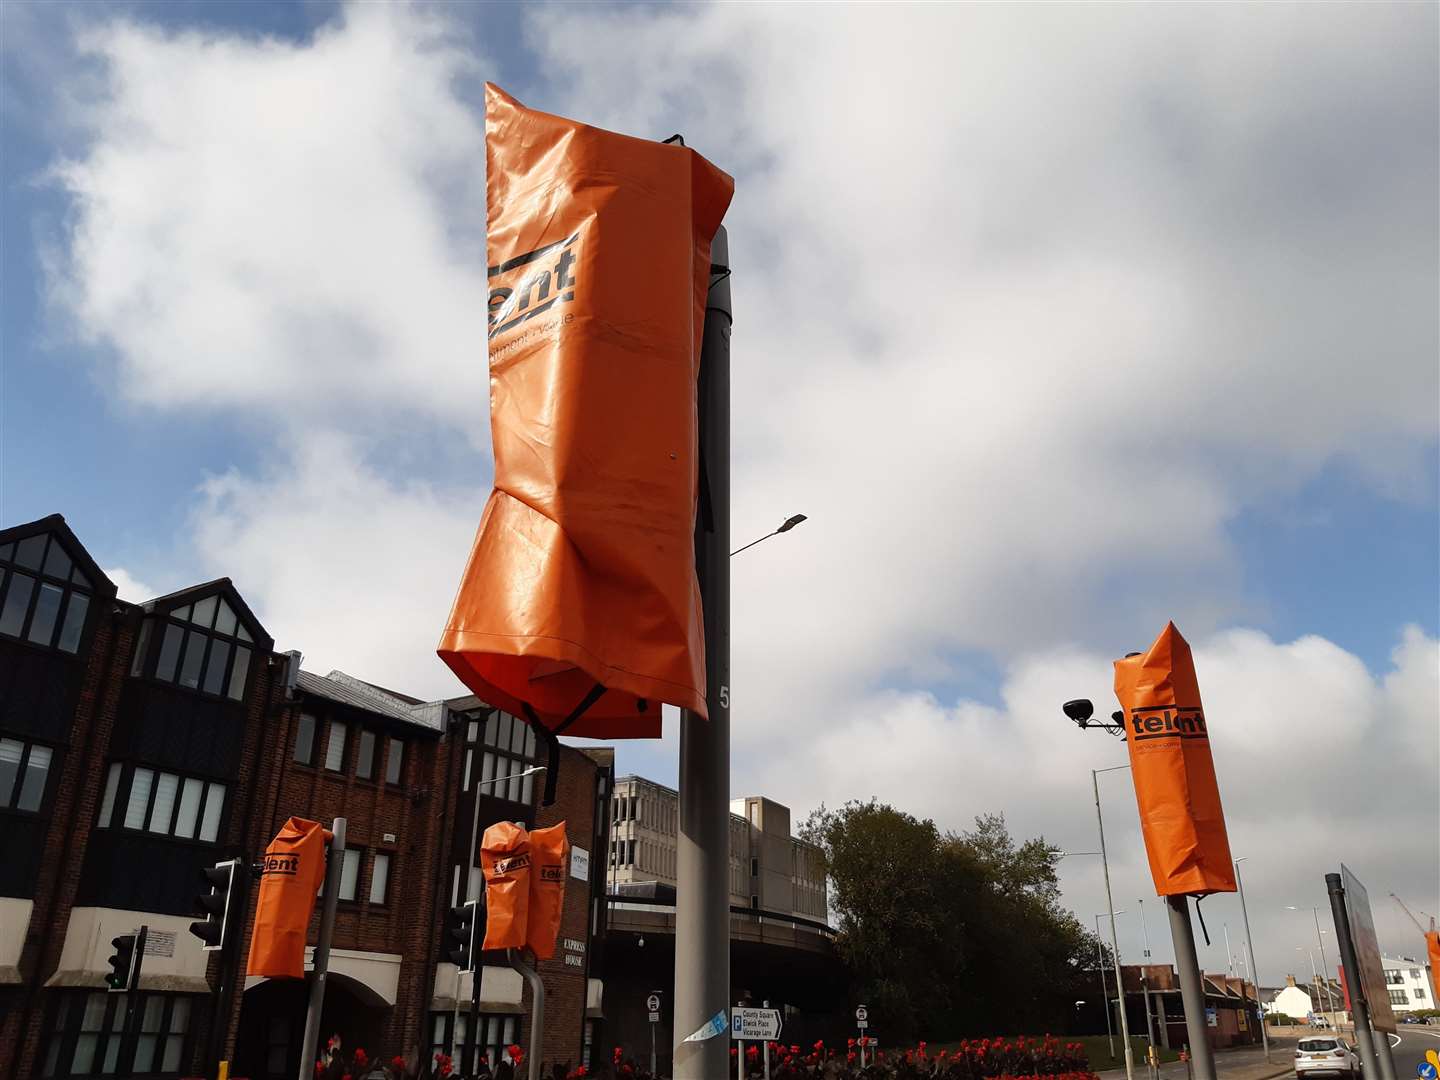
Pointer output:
702, 900
333, 863
1192, 990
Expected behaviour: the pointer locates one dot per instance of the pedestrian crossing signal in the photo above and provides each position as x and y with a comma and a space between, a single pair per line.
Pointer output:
125, 962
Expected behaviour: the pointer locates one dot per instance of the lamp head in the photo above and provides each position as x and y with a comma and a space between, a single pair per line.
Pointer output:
791, 522
1080, 710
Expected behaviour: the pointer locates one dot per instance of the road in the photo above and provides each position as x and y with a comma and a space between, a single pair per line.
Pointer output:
1242, 1063
1410, 1052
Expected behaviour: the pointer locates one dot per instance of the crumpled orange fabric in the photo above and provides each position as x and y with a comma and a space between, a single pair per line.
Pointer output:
293, 869
1432, 950
505, 860
1175, 786
549, 866
583, 568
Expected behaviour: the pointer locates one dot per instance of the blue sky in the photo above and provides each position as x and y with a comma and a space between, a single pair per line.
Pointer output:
1057, 323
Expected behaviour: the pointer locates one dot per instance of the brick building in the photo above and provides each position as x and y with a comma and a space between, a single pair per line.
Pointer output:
142, 743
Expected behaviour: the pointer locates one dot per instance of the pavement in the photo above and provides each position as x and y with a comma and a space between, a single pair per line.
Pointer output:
1238, 1063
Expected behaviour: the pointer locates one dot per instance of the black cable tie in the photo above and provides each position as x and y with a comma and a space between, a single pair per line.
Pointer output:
1200, 915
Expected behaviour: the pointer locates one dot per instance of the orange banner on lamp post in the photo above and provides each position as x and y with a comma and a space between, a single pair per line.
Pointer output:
549, 863
293, 869
579, 608
1166, 733
505, 859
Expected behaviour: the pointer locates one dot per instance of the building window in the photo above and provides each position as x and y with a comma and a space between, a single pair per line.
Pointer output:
754, 867
305, 739
350, 872
1397, 997
24, 772
1415, 973
335, 747
1393, 977
394, 761
1419, 993
44, 597
160, 802
509, 750
365, 755
204, 648
380, 878
85, 1037
495, 1032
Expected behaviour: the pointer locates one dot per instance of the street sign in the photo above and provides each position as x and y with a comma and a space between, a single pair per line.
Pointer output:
862, 1017
755, 1025
1212, 1018
653, 1003
1367, 952
654, 1017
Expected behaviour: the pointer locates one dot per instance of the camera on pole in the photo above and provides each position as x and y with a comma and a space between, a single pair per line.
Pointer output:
463, 922
125, 962
224, 881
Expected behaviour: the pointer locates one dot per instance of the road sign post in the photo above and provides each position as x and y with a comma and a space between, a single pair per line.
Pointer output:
1192, 993
652, 1005
862, 1021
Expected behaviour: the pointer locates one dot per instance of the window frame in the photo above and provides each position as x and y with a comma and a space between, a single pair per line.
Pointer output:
22, 772
65, 1024
75, 581
119, 804
338, 769
389, 857
157, 628
496, 751
395, 760
359, 756
300, 717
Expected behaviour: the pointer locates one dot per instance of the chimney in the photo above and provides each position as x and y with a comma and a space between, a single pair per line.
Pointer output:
1289, 980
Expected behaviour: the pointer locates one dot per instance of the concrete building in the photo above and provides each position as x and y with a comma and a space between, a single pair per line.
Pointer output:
1408, 981
141, 743
770, 869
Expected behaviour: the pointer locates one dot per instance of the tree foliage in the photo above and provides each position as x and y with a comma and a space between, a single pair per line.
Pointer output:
948, 934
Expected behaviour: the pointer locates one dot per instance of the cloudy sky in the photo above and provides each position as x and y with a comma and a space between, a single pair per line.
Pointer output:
1057, 321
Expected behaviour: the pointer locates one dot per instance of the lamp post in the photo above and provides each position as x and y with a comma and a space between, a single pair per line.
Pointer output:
1314, 977
785, 526
1329, 997
1145, 978
1114, 937
1104, 989
1253, 972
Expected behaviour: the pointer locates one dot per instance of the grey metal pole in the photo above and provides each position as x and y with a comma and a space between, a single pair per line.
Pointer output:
1114, 937
1104, 988
1192, 991
1325, 968
1145, 980
702, 901
334, 863
537, 1010
1250, 947
1369, 1052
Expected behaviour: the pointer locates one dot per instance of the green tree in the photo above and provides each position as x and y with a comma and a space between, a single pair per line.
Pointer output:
949, 934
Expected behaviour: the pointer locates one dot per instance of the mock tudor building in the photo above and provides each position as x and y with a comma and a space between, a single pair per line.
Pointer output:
140, 744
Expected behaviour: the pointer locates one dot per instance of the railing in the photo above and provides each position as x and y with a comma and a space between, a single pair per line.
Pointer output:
761, 916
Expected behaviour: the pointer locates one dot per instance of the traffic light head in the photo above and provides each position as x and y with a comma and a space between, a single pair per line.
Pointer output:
461, 936
125, 962
223, 879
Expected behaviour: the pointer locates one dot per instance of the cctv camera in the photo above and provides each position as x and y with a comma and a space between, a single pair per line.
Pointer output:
1080, 710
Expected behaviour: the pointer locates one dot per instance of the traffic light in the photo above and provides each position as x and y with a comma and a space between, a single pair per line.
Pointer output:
462, 935
224, 881
125, 962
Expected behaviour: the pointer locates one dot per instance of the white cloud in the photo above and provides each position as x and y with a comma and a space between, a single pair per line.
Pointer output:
128, 587
288, 230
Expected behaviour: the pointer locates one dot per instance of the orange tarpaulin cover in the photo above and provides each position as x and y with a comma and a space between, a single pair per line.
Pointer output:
505, 859
549, 861
1432, 949
1180, 812
583, 568
293, 870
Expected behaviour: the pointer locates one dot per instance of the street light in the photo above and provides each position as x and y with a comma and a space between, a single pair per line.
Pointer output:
1324, 967
1105, 990
1253, 972
785, 526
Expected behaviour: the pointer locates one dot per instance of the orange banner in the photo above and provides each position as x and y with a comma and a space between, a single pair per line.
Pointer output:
293, 872
549, 864
1432, 950
582, 573
1165, 730
505, 859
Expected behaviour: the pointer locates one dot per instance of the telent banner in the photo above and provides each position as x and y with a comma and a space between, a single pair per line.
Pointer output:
580, 599
1165, 730
293, 870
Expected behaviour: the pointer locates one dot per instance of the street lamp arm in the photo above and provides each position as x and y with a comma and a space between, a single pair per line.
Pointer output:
785, 526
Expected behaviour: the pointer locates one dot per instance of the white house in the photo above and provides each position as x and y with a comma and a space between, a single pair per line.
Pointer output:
1408, 981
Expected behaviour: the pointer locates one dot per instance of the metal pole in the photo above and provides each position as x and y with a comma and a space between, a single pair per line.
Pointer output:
1250, 947
1325, 969
652, 1050
1104, 989
1371, 1059
334, 862
702, 901
1145, 982
1192, 992
1114, 937
537, 1010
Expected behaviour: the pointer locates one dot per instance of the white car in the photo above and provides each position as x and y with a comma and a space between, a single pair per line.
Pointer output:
1326, 1054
